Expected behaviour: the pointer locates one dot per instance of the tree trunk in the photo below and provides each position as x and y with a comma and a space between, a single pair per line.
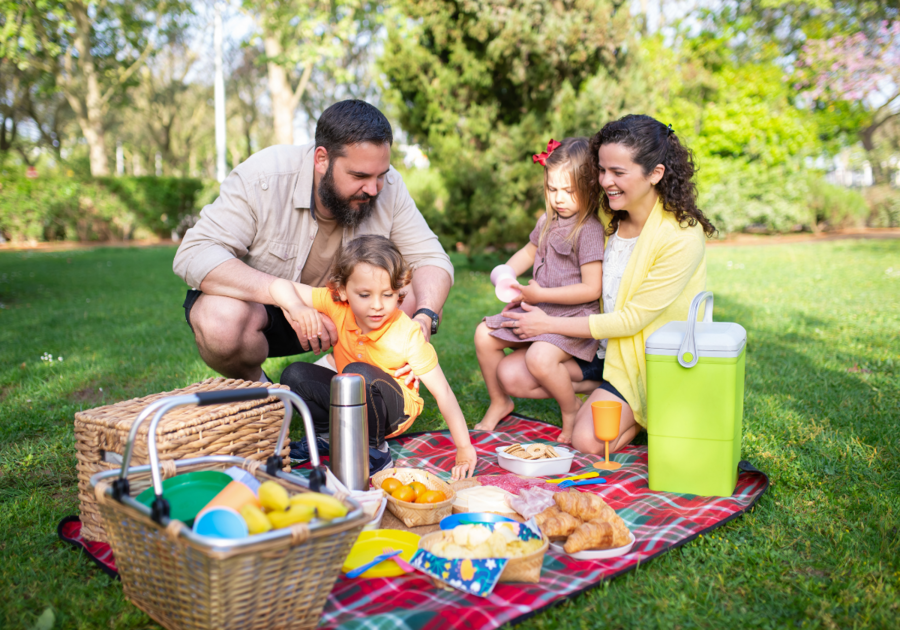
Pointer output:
867, 137
280, 92
90, 117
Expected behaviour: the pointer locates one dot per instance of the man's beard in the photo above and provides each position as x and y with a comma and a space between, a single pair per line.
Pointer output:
340, 208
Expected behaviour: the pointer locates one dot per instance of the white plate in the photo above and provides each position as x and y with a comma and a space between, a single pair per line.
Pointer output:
595, 554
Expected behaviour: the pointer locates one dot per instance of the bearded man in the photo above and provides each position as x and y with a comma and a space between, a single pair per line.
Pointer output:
284, 213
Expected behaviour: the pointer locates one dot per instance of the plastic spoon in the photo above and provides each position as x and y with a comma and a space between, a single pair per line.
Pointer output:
378, 560
403, 564
583, 482
589, 475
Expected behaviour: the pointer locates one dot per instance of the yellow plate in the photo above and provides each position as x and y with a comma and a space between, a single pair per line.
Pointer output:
372, 543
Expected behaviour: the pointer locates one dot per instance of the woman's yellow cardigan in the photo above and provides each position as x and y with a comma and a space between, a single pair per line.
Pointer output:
666, 270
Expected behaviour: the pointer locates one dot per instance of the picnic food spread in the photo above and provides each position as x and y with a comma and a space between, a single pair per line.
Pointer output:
483, 499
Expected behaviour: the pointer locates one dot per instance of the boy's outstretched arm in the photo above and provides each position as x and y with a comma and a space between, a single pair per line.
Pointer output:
466, 458
295, 300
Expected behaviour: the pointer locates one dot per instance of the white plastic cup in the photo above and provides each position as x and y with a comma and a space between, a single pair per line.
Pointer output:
221, 522
503, 277
500, 271
506, 289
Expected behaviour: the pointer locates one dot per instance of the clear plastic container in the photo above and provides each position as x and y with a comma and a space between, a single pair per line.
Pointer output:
536, 467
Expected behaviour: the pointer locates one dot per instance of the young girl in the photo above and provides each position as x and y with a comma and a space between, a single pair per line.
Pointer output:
566, 252
375, 338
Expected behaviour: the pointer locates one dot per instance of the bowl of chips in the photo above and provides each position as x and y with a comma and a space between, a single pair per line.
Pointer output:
534, 459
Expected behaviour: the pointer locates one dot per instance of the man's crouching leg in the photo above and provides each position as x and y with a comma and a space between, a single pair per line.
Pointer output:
229, 335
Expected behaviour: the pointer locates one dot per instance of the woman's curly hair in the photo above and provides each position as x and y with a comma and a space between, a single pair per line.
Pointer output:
652, 143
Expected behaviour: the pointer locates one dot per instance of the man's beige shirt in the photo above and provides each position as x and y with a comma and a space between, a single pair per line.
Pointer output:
262, 217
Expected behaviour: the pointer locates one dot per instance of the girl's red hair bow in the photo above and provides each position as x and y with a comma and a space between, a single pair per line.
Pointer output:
542, 157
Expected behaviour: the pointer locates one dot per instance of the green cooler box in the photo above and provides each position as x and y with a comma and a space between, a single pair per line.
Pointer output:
695, 403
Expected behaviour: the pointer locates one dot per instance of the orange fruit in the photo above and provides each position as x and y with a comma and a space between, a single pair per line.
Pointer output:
390, 484
419, 488
404, 493
431, 496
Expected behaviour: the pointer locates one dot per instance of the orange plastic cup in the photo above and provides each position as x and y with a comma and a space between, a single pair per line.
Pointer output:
235, 496
607, 415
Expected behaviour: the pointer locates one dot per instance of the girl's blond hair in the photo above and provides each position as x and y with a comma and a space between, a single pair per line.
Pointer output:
573, 155
374, 250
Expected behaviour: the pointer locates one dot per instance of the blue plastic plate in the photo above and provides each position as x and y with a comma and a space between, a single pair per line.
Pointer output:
472, 518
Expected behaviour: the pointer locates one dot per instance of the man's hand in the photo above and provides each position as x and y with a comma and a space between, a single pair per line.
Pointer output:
424, 323
412, 380
466, 459
531, 292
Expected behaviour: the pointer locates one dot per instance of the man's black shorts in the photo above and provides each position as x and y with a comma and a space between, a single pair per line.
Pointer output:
283, 341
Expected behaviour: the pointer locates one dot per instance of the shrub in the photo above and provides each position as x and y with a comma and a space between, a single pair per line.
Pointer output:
67, 208
884, 206
836, 206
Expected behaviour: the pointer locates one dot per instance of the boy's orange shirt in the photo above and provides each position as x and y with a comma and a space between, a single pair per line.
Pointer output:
397, 342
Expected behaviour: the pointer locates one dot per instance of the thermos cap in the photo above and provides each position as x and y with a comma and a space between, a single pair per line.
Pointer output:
348, 390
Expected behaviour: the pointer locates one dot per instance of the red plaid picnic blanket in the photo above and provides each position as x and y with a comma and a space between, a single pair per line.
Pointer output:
659, 520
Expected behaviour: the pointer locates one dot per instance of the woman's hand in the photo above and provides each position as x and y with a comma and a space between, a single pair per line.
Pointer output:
465, 463
412, 380
531, 323
531, 292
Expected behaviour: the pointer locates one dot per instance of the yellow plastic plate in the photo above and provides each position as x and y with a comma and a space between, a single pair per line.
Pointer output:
372, 543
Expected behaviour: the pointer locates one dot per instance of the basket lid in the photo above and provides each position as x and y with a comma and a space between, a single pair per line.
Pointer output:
714, 339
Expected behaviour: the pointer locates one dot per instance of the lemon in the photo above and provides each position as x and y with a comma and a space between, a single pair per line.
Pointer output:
273, 496
257, 523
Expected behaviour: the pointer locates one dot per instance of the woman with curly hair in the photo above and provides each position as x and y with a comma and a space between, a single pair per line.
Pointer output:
654, 264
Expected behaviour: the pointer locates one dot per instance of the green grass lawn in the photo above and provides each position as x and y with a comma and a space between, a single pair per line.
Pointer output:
821, 417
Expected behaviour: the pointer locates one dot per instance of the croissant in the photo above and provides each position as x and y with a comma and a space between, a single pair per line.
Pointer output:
590, 535
586, 506
556, 524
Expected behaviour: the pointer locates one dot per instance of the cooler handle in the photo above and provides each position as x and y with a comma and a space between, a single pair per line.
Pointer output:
162, 406
687, 353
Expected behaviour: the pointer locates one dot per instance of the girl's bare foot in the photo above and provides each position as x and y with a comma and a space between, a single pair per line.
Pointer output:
564, 437
568, 424
495, 413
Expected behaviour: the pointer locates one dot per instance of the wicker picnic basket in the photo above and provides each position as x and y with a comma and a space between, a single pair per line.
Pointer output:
416, 514
280, 579
522, 569
245, 429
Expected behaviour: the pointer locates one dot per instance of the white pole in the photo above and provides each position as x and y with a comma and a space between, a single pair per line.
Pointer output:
220, 97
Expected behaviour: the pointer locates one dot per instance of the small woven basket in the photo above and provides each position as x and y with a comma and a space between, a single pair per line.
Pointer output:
522, 569
417, 514
247, 429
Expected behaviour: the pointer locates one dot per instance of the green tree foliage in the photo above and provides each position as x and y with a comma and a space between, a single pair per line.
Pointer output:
91, 49
484, 84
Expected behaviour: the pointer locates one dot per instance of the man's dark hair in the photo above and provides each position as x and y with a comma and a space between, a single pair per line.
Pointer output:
351, 122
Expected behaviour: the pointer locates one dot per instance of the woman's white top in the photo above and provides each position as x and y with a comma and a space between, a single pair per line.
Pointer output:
615, 259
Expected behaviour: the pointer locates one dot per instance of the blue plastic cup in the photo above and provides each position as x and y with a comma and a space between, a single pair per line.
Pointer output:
221, 522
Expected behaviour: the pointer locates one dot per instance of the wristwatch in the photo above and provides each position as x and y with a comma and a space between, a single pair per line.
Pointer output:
435, 320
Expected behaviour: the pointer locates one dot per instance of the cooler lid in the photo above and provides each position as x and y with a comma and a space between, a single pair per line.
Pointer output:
714, 339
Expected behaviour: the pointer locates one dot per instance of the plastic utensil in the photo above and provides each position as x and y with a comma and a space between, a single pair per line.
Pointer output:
403, 564
372, 543
378, 560
589, 475
606, 415
582, 482
473, 518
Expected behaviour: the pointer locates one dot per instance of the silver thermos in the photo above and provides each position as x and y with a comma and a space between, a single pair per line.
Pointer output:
349, 431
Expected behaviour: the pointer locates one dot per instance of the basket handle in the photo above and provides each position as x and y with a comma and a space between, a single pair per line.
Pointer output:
162, 406
687, 353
